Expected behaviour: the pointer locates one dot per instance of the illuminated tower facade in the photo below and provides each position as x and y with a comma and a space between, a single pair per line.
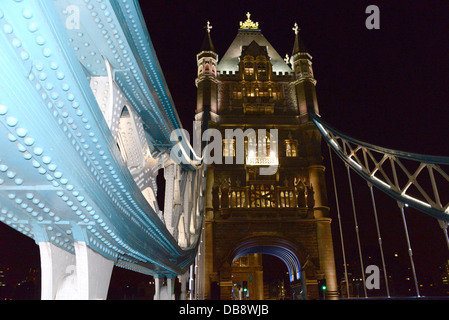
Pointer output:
267, 194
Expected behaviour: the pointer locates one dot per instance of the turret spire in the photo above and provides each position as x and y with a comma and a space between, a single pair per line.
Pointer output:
299, 45
207, 42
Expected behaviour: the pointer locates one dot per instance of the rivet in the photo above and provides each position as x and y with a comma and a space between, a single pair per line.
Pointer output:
11, 174
16, 43
46, 159
21, 132
40, 40
7, 28
33, 27
29, 141
3, 109
46, 52
11, 121
38, 151
27, 13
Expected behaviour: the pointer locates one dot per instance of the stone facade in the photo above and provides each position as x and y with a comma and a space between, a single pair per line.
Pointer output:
284, 212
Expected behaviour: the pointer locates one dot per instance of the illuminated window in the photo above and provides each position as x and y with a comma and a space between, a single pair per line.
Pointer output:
290, 148
236, 92
261, 150
244, 262
249, 69
228, 147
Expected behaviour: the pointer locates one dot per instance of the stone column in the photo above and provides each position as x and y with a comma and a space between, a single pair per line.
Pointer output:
326, 256
258, 279
225, 282
207, 236
318, 181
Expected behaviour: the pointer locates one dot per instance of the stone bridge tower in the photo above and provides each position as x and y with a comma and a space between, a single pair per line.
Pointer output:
267, 193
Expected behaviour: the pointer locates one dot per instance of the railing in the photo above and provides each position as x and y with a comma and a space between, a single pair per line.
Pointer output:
263, 196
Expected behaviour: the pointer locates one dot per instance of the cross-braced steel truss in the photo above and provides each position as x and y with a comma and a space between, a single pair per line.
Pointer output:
418, 181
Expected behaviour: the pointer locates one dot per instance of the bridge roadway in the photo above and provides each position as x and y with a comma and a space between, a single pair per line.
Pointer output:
86, 118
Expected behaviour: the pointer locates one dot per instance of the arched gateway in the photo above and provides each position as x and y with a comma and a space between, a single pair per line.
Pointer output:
283, 249
267, 193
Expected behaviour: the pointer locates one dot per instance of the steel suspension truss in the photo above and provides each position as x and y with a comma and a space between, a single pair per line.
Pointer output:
415, 180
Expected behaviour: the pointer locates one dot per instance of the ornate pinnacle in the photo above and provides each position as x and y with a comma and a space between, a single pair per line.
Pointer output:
296, 28
249, 24
208, 26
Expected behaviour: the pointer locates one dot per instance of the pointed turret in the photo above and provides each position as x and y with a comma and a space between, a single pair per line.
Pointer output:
206, 80
207, 57
305, 82
207, 42
299, 46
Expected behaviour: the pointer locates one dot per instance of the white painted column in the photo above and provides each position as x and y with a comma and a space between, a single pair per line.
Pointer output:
166, 292
57, 266
157, 286
184, 279
93, 273
170, 289
191, 282
84, 275
169, 175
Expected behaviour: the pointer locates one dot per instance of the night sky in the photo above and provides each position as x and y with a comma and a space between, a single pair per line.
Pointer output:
387, 87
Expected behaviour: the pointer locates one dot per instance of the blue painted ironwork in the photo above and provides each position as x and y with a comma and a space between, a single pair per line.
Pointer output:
62, 177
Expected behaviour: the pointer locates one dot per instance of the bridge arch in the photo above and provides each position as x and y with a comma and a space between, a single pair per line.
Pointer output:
295, 257
283, 249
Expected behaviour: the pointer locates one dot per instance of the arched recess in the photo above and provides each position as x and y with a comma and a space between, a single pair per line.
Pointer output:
280, 248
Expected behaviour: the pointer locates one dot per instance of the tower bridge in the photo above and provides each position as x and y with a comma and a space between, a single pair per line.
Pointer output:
87, 121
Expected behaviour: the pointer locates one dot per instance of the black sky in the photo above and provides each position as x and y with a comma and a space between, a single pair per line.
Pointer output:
387, 87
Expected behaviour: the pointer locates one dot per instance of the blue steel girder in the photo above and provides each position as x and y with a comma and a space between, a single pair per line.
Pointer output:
415, 180
62, 178
115, 31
